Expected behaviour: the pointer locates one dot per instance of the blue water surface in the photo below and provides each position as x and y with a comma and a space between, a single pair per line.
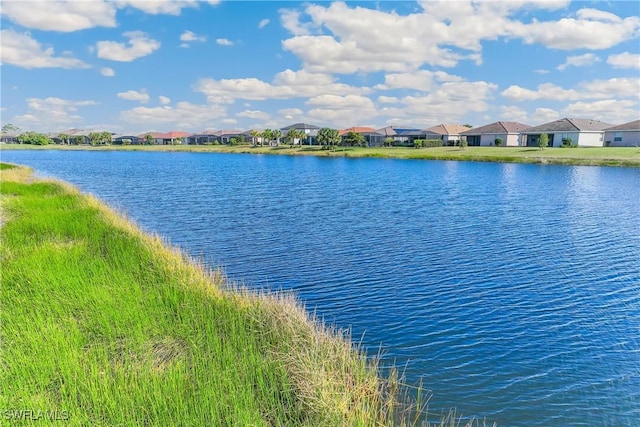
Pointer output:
512, 292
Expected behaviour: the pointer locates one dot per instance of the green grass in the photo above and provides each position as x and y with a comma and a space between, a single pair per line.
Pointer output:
111, 327
592, 156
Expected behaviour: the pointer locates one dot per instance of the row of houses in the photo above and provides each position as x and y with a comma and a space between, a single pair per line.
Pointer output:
567, 131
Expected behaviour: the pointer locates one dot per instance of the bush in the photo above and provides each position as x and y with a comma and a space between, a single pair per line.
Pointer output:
498, 142
418, 143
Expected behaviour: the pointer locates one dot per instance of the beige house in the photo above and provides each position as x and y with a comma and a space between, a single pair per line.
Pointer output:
507, 132
449, 133
625, 135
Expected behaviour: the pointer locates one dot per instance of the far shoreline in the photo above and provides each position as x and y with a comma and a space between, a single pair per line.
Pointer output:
579, 156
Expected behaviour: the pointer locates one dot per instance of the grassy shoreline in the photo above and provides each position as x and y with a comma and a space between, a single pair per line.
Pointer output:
105, 325
587, 156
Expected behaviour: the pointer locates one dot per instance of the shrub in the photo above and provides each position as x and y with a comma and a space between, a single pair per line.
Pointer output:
498, 142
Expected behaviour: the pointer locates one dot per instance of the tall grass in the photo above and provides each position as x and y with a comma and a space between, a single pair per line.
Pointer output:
104, 325
108, 326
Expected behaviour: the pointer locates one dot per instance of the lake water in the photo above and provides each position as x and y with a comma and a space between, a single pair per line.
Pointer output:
511, 291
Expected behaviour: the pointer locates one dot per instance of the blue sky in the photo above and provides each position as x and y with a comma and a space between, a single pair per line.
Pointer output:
137, 66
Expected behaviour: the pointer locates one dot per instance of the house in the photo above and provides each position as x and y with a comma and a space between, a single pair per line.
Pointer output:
625, 135
371, 137
581, 132
405, 136
311, 132
508, 132
448, 133
10, 137
168, 138
206, 137
126, 140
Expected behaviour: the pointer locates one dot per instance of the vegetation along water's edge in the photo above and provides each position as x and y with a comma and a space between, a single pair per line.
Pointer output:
103, 324
586, 156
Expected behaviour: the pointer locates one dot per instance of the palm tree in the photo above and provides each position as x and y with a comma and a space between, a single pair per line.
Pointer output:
268, 135
148, 139
328, 137
64, 137
254, 135
277, 134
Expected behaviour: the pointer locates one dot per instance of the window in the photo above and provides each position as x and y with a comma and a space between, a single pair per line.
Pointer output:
617, 137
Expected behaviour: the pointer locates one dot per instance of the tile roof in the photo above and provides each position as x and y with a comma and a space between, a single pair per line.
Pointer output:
570, 125
300, 126
497, 127
448, 129
357, 129
634, 125
394, 130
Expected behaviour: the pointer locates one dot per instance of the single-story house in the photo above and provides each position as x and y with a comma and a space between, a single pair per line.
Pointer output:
448, 133
10, 137
508, 132
405, 136
206, 137
581, 132
311, 131
126, 140
371, 137
624, 135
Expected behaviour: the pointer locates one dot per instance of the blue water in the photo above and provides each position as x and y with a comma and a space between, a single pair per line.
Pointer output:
511, 291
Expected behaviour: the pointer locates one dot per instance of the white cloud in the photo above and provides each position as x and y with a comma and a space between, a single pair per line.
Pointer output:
290, 113
21, 50
344, 102
45, 114
541, 71
595, 89
290, 20
224, 42
254, 114
388, 99
263, 23
164, 100
359, 39
63, 16
168, 7
107, 72
579, 61
591, 30
190, 36
184, 115
286, 85
422, 80
607, 110
139, 45
134, 95
624, 60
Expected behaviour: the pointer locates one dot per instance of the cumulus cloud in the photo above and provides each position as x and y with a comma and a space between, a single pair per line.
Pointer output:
189, 36
107, 72
290, 113
167, 7
263, 23
45, 114
286, 85
359, 39
624, 60
164, 100
139, 45
607, 110
595, 89
184, 115
254, 114
63, 16
21, 50
224, 42
579, 61
134, 95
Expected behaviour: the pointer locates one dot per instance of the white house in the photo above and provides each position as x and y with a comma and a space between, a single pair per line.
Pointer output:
624, 135
581, 132
507, 132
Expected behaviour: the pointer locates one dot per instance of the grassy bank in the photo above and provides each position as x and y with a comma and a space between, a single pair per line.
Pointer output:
590, 156
103, 325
